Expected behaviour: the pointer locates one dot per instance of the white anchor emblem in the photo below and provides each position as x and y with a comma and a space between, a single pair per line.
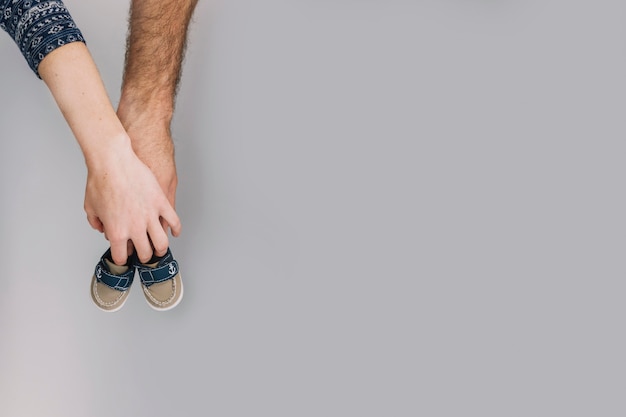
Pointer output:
99, 272
172, 269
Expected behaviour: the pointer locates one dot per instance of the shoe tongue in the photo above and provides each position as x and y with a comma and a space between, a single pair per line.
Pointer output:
116, 269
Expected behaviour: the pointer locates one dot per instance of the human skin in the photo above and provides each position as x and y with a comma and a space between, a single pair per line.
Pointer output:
123, 198
155, 49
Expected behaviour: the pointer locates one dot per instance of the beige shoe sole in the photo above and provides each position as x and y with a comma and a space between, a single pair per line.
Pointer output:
166, 295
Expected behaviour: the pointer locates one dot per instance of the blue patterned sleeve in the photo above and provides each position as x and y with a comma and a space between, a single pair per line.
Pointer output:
38, 27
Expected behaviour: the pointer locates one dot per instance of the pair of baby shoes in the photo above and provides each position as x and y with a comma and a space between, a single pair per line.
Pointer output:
160, 280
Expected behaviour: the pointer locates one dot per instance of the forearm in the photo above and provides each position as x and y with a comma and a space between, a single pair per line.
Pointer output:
75, 83
155, 49
154, 54
38, 28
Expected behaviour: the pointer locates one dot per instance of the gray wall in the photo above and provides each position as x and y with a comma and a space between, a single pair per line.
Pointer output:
389, 209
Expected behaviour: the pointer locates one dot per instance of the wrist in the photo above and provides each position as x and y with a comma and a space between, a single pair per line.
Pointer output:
147, 127
147, 109
101, 152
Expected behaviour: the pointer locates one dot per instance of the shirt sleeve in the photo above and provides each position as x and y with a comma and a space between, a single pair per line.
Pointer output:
38, 27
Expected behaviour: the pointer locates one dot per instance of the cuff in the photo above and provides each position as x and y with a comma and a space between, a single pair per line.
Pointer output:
39, 28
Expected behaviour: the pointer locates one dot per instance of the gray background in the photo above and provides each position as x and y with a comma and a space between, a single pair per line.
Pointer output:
389, 209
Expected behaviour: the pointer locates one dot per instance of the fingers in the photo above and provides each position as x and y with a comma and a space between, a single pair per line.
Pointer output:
155, 241
95, 222
164, 224
144, 242
169, 215
143, 247
158, 237
119, 250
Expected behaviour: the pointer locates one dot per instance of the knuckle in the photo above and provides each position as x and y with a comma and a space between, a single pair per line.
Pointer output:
160, 246
119, 258
145, 257
116, 238
175, 222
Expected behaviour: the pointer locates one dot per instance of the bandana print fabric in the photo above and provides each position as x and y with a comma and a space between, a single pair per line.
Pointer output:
38, 27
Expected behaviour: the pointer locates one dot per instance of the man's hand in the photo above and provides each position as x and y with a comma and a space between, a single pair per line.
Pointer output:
124, 200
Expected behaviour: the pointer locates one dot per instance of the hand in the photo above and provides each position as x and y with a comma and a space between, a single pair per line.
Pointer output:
152, 143
124, 200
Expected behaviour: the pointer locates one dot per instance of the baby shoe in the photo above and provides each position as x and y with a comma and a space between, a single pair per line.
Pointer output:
161, 281
111, 283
